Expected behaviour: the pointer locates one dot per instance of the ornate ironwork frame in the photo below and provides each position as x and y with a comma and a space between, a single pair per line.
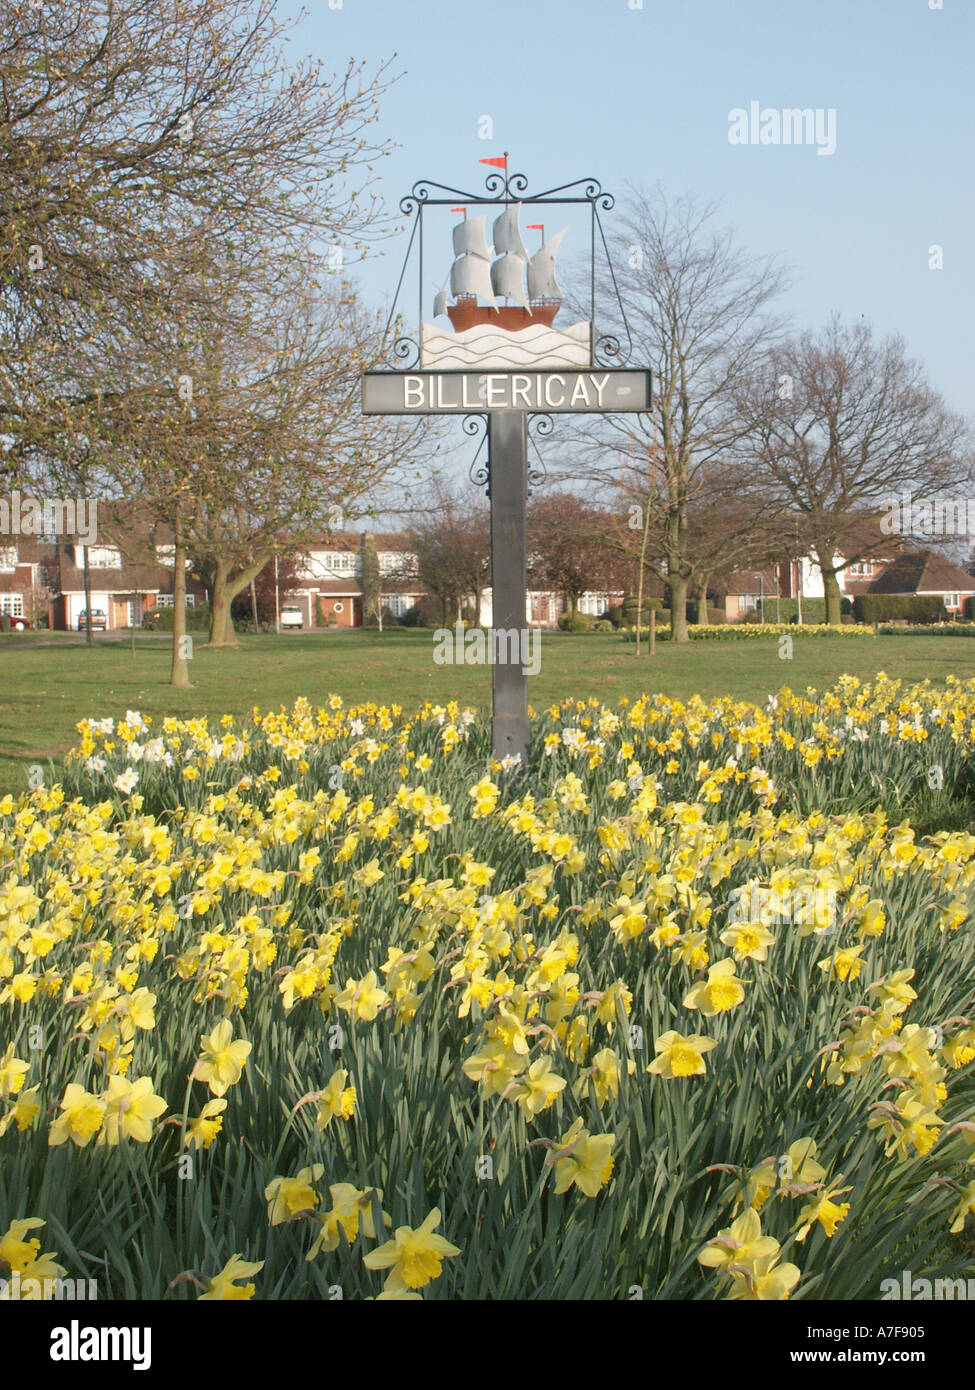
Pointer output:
607, 350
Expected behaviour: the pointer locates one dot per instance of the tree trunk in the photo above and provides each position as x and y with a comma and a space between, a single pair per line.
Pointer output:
831, 588
180, 674
221, 626
87, 573
225, 590
678, 609
701, 601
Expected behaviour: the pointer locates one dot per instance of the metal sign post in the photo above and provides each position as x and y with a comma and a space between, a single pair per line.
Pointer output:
503, 364
508, 463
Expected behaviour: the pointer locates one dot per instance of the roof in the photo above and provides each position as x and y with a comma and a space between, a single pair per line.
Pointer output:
748, 582
922, 572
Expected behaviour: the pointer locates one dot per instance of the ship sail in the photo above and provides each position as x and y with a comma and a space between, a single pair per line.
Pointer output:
507, 234
472, 275
508, 277
440, 304
542, 283
469, 238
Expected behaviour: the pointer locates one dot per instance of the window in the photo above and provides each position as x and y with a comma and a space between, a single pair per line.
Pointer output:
338, 607
100, 557
166, 555
592, 604
951, 601
8, 557
340, 561
12, 605
397, 605
394, 561
863, 570
166, 601
746, 602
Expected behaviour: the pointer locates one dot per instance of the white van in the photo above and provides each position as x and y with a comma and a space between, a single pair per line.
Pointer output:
292, 616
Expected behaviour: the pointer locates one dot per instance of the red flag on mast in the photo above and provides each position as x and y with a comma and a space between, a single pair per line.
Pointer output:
499, 161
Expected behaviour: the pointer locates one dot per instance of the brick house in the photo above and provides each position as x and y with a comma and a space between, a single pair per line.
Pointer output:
927, 574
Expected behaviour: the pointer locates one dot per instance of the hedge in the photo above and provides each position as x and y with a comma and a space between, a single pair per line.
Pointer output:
916, 608
161, 619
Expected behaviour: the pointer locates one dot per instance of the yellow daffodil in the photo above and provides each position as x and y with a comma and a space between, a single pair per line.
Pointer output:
222, 1288
413, 1257
336, 1101
80, 1119
222, 1060
288, 1198
680, 1056
582, 1159
721, 990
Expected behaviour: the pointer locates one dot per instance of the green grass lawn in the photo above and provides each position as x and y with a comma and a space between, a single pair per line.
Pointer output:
47, 687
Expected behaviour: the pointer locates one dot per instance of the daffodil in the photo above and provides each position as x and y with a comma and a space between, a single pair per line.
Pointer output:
413, 1257
202, 1130
822, 1208
288, 1198
537, 1088
741, 1243
363, 998
14, 1250
222, 1288
764, 1280
222, 1061
350, 1212
680, 1056
23, 1112
12, 1072
582, 1159
80, 1119
721, 990
336, 1101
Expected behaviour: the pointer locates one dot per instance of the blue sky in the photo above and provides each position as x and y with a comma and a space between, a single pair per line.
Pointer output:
595, 87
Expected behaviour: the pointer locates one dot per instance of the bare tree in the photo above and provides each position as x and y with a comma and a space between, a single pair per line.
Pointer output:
452, 545
699, 310
130, 132
838, 423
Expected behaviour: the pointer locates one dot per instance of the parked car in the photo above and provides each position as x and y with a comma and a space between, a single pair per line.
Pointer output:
99, 622
292, 616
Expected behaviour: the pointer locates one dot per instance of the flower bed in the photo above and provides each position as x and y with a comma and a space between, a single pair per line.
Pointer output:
323, 1003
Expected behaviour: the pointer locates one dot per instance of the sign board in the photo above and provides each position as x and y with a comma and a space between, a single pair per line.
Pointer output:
467, 393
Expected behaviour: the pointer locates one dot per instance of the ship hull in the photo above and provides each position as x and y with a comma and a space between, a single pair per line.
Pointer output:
510, 317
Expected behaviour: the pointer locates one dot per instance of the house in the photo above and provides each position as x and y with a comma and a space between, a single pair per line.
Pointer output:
124, 589
927, 574
740, 592
329, 586
741, 595
23, 590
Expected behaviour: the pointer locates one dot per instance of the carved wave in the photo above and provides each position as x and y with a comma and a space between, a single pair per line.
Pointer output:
486, 346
